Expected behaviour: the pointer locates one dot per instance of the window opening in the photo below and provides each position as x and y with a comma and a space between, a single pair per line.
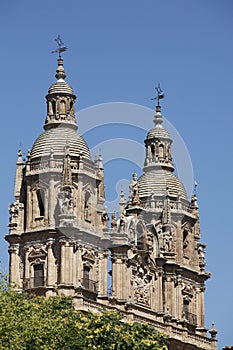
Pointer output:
38, 275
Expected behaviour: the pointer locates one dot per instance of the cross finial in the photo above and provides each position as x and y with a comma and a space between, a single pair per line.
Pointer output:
160, 95
61, 47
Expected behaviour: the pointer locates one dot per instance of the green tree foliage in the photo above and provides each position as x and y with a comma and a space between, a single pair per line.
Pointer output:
38, 323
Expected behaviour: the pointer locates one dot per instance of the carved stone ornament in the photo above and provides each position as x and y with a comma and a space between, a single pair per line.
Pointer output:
65, 203
141, 282
37, 251
14, 210
168, 241
89, 255
143, 268
188, 292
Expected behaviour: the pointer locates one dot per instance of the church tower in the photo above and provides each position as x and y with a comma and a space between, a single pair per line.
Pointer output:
158, 263
58, 222
60, 243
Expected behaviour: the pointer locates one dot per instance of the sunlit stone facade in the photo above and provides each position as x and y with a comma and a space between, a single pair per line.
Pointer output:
60, 241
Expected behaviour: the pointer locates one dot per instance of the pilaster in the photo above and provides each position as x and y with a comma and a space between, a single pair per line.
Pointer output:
14, 266
103, 275
120, 278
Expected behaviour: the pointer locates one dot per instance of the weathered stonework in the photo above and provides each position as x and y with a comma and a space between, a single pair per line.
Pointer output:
60, 242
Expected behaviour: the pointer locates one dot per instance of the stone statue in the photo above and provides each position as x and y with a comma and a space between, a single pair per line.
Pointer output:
105, 218
114, 221
65, 203
122, 222
14, 210
168, 242
133, 190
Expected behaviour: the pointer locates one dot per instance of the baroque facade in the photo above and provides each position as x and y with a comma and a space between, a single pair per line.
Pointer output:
60, 243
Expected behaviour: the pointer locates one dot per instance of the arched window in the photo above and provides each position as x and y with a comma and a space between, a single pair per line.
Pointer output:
185, 242
153, 150
40, 199
71, 107
87, 207
161, 151
54, 107
62, 107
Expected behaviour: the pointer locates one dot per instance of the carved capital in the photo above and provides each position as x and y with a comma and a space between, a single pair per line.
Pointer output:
14, 248
50, 242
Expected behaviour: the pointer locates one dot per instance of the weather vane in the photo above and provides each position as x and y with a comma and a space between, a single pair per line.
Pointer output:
61, 47
160, 95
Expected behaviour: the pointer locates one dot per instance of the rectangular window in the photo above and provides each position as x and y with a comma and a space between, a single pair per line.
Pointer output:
38, 275
86, 277
186, 309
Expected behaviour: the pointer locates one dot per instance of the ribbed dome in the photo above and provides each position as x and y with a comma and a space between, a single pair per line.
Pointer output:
159, 133
156, 181
57, 139
60, 87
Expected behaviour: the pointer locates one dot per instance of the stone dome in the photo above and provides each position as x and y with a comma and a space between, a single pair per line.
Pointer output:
157, 180
58, 138
159, 133
60, 87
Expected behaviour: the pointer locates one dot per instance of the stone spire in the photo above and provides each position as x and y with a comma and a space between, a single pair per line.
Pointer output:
18, 176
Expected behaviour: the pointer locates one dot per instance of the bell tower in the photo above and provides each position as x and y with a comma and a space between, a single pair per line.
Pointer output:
158, 260
58, 221
60, 243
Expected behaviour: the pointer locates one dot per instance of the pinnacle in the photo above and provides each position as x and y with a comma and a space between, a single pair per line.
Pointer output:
60, 70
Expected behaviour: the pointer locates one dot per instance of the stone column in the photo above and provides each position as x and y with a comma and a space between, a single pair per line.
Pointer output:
79, 266
63, 261
153, 293
179, 300
27, 276
159, 284
29, 208
169, 292
66, 268
21, 218
69, 262
200, 307
74, 267
159, 290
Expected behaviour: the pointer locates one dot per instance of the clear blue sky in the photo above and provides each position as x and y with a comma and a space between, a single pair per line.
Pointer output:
119, 51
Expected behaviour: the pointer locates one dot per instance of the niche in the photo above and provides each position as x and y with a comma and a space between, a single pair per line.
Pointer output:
87, 207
